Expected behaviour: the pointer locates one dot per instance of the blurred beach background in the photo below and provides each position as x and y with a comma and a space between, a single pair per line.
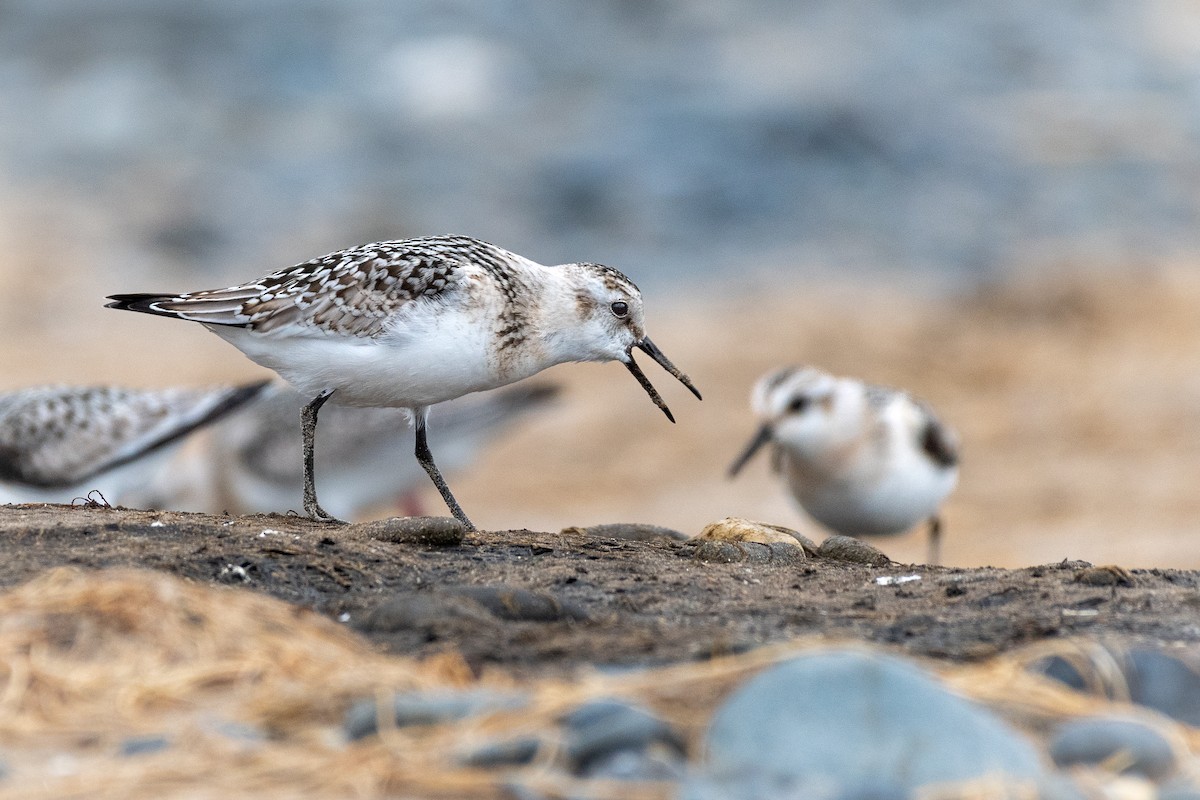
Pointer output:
994, 206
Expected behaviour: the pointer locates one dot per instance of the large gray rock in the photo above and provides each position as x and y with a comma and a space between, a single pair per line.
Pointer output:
836, 723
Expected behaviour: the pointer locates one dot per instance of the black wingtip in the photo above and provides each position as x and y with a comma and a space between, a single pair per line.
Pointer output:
138, 302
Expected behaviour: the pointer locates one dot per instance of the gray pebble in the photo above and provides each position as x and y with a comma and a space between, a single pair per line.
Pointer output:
427, 531
847, 548
428, 708
830, 718
601, 728
1095, 740
512, 752
632, 531
142, 745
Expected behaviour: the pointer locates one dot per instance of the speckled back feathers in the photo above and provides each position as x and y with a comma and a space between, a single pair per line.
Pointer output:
352, 292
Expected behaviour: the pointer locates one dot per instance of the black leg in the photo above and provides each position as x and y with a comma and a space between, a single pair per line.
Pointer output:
308, 427
426, 459
935, 540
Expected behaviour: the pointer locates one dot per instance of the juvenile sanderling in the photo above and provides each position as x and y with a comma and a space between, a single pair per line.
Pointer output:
862, 460
60, 442
251, 462
415, 322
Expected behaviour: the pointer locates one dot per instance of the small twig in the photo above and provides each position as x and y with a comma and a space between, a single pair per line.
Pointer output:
87, 501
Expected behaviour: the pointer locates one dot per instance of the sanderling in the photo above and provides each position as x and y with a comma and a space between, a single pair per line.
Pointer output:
251, 462
415, 322
59, 442
862, 460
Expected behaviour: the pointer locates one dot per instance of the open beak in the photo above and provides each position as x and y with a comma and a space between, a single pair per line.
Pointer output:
649, 348
762, 437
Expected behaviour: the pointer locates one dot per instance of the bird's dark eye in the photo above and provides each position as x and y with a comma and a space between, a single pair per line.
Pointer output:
798, 404
620, 308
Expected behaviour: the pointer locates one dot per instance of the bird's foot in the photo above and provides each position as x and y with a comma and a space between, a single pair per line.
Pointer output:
315, 512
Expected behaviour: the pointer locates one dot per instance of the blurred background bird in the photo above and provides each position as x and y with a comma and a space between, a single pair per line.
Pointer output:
60, 443
251, 462
860, 459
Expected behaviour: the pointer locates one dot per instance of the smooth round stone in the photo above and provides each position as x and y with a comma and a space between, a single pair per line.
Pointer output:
1144, 751
601, 728
426, 531
844, 721
856, 551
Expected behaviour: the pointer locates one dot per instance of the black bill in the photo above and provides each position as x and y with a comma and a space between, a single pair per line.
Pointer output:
762, 437
649, 348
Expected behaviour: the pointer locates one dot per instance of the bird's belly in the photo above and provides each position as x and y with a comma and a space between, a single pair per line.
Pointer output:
418, 369
890, 504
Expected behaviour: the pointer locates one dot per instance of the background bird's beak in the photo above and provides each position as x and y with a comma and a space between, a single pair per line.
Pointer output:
652, 350
762, 437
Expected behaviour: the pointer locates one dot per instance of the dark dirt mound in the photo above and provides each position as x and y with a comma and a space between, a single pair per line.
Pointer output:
549, 602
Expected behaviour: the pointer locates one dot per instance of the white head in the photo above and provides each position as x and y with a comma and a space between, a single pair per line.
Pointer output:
805, 410
610, 321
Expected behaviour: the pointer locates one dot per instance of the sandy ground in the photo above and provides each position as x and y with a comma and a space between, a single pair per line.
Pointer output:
1077, 400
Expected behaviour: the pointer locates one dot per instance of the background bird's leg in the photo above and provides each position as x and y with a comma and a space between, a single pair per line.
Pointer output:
425, 457
935, 540
308, 427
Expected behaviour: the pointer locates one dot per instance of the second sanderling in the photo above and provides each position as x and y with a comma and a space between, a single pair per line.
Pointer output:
61, 442
860, 459
251, 462
415, 322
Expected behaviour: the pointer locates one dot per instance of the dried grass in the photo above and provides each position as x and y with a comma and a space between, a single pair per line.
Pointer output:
88, 660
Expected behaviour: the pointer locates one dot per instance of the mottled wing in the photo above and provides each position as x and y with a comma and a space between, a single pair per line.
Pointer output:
350, 292
58, 437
